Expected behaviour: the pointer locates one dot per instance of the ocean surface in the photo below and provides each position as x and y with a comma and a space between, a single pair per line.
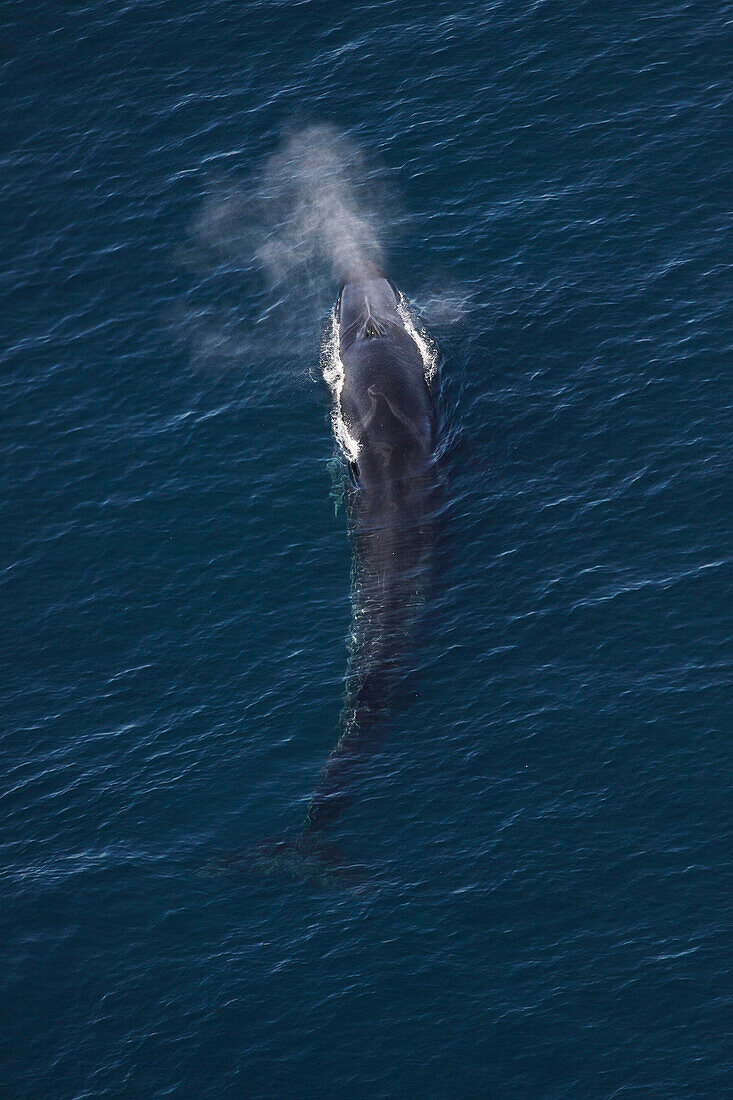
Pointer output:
547, 832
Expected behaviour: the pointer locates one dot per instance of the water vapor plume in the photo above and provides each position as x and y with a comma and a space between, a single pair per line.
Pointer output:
282, 240
270, 250
320, 214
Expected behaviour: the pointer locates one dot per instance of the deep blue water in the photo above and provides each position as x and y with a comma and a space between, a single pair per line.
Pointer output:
548, 826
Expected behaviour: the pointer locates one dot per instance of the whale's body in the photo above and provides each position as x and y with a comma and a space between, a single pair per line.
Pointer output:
388, 410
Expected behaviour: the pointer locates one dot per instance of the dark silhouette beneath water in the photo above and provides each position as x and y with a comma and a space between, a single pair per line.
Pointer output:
385, 406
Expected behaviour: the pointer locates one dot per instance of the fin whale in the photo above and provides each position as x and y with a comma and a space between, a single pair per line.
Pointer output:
387, 406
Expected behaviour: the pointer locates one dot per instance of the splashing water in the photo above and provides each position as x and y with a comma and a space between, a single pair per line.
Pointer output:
425, 345
333, 376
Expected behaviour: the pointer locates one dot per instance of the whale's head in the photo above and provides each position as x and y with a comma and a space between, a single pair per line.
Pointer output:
367, 306
385, 402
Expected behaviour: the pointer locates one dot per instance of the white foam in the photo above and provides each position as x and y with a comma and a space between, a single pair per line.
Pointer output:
424, 344
333, 374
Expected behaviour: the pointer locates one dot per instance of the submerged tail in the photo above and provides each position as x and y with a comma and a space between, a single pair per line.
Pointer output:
363, 731
304, 858
307, 856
